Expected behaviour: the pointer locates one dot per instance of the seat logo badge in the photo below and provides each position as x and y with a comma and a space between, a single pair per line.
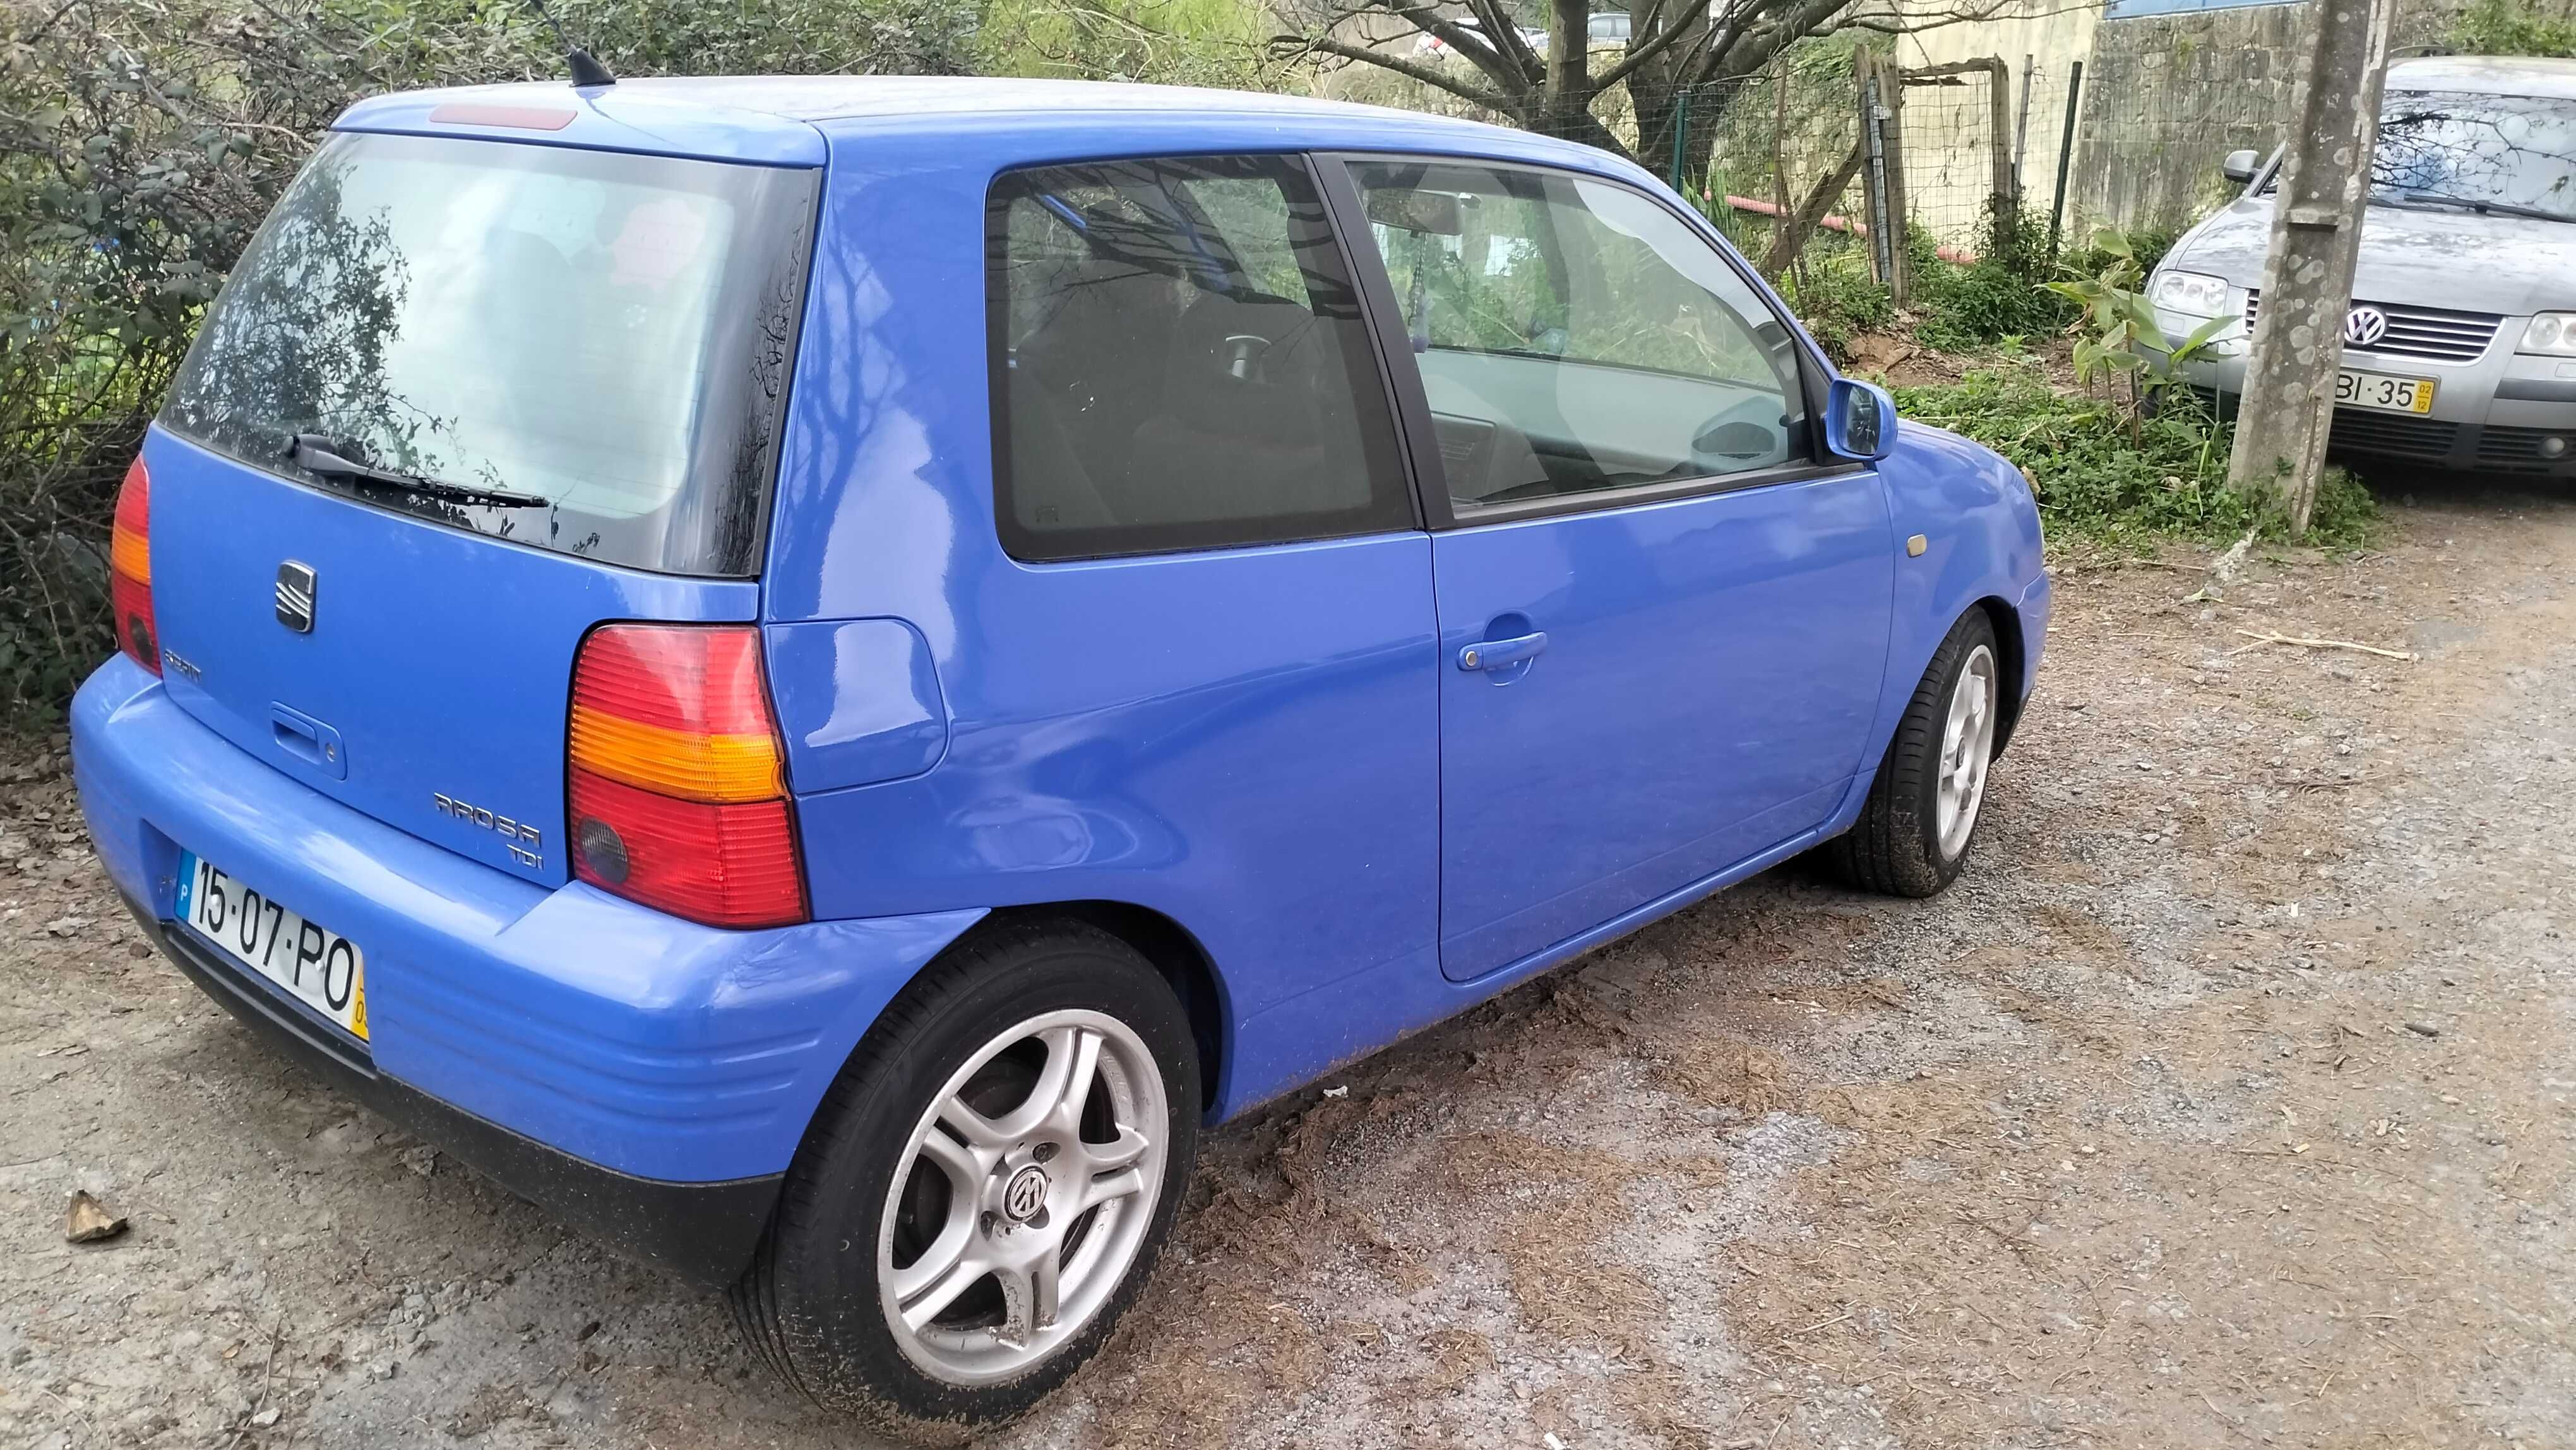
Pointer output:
295, 596
1026, 1194
2364, 325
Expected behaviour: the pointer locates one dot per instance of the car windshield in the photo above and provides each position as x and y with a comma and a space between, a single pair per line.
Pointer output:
578, 350
2454, 148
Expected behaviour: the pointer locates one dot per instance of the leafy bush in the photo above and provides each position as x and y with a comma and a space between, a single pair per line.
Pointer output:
2092, 479
1996, 297
2512, 27
2002, 294
1833, 293
141, 141
1175, 42
1975, 306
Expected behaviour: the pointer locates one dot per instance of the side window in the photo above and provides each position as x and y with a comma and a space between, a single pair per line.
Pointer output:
1179, 363
1574, 336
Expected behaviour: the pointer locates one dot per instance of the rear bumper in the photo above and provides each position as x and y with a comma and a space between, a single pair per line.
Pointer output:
705, 1231
644, 1078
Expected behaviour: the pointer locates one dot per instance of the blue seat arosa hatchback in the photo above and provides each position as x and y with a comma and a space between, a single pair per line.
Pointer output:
813, 674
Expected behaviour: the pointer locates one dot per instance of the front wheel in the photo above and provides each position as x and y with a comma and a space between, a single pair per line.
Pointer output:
984, 1190
1914, 830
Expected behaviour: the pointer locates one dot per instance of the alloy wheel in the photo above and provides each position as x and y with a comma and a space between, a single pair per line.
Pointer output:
1021, 1200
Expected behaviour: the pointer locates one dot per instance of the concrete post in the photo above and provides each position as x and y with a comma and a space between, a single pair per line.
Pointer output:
2316, 239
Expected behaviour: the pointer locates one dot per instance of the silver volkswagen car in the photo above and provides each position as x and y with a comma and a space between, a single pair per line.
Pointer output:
2460, 348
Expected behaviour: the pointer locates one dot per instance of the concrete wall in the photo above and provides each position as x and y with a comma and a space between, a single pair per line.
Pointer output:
2168, 95
2165, 97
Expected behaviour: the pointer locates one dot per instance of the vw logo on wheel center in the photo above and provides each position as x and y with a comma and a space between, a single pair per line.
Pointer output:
2364, 325
1026, 1194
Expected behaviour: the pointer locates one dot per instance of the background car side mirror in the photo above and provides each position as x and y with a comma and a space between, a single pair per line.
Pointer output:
1860, 420
2239, 165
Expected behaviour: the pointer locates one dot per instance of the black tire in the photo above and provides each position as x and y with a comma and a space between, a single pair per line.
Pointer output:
1895, 847
809, 1303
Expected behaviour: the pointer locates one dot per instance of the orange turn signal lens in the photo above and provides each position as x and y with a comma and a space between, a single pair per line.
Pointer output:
675, 762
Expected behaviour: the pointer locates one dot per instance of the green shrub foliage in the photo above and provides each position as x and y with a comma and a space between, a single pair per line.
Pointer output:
2097, 479
141, 142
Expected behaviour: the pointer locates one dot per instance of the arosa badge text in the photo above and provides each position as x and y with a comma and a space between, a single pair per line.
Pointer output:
295, 596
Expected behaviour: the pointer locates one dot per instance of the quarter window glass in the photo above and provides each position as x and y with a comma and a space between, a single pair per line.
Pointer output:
1180, 363
1574, 336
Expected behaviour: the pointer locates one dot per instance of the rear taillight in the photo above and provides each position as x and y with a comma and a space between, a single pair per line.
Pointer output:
677, 796
129, 570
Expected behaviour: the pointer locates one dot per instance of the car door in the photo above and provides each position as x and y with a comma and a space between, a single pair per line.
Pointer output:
1663, 620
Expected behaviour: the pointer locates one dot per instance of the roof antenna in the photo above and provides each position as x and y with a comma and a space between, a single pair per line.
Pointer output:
585, 67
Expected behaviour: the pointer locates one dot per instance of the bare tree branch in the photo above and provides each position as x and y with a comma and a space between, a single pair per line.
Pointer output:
1749, 48
1292, 46
1655, 45
1476, 46
1505, 34
1795, 227
1974, 14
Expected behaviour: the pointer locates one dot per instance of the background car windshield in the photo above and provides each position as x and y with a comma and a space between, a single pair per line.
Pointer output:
2516, 150
601, 331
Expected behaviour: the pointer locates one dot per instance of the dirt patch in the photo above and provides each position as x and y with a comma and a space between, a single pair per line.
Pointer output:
1896, 360
2225, 1100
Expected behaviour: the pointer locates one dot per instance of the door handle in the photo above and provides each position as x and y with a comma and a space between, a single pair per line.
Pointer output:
310, 740
1499, 654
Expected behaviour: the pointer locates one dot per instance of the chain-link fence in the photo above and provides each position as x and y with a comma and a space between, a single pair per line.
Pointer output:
1808, 157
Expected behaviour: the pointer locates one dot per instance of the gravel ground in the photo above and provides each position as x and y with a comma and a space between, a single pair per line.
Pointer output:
2225, 1100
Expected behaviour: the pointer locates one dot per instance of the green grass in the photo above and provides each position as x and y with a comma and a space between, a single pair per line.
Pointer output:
2093, 481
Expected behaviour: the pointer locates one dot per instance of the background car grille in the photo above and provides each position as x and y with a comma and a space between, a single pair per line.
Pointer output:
2395, 433
2427, 332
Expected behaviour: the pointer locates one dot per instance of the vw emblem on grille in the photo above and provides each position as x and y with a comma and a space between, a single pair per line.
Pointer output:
295, 596
2364, 325
1026, 1194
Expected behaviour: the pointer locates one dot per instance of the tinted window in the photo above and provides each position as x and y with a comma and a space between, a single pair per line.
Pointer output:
1574, 336
1179, 363
604, 333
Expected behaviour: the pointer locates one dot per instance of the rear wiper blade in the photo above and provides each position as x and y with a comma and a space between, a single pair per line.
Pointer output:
2501, 208
319, 455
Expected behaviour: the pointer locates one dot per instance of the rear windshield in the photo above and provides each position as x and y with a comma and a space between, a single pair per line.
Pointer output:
578, 350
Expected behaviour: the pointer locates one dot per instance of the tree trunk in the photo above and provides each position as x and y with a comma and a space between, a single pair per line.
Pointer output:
1569, 63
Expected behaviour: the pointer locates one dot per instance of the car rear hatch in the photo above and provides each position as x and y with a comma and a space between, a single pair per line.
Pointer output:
462, 400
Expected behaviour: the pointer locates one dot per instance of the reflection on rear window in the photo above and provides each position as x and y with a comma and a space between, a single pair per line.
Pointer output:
606, 333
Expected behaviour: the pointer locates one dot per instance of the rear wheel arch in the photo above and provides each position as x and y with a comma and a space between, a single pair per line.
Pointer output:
1172, 949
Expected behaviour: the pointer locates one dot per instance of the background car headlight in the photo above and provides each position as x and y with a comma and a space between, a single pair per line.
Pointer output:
2551, 332
2197, 293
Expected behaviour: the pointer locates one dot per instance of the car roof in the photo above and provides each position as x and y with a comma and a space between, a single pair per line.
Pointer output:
2493, 75
784, 120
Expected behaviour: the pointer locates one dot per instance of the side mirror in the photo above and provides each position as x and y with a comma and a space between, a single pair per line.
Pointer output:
1860, 420
2240, 165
